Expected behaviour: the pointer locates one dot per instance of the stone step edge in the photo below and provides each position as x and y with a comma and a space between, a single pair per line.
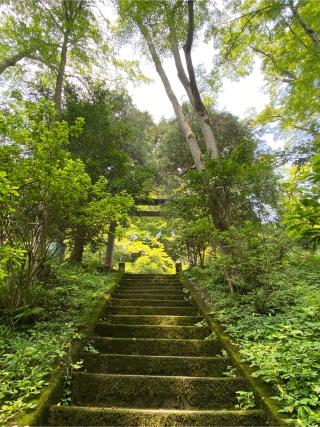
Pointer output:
149, 300
152, 306
162, 411
161, 316
144, 294
176, 340
155, 357
159, 377
146, 326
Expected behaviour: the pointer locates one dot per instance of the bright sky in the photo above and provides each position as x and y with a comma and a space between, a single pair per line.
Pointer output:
236, 97
239, 98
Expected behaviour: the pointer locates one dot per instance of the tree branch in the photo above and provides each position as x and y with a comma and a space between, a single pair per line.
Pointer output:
289, 74
308, 30
12, 60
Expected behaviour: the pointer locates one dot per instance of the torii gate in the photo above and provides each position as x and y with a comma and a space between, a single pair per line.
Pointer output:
134, 212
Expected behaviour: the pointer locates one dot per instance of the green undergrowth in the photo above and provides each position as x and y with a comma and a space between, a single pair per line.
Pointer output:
277, 329
36, 339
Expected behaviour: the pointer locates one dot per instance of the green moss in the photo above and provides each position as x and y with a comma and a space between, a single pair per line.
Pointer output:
173, 311
152, 331
154, 365
151, 346
150, 302
137, 391
151, 289
153, 320
73, 416
160, 296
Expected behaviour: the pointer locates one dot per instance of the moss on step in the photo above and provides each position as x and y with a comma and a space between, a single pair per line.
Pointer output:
150, 303
75, 416
154, 365
175, 311
153, 289
163, 347
152, 331
160, 296
151, 292
153, 320
138, 391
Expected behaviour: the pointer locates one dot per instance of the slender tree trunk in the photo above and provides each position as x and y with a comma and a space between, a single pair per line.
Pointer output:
12, 60
179, 66
182, 121
110, 246
78, 247
201, 111
61, 71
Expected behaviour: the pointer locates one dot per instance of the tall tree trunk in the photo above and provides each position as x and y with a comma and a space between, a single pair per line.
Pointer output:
78, 247
201, 111
12, 60
182, 121
199, 108
110, 246
61, 71
217, 211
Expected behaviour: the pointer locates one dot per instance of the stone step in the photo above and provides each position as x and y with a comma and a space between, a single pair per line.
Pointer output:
150, 302
136, 295
175, 311
149, 291
153, 320
150, 280
84, 416
152, 331
141, 275
152, 346
150, 288
148, 391
154, 365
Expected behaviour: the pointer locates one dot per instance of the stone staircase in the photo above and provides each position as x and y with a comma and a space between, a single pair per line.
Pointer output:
154, 366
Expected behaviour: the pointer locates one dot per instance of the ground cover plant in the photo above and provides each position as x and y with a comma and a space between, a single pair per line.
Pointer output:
277, 330
35, 339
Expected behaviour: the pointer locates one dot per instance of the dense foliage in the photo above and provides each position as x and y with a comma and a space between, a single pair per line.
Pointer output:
36, 339
277, 328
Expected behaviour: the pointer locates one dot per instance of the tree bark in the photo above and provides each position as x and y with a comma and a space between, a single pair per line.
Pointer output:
201, 111
218, 210
110, 246
182, 121
78, 247
61, 71
199, 108
179, 66
12, 60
